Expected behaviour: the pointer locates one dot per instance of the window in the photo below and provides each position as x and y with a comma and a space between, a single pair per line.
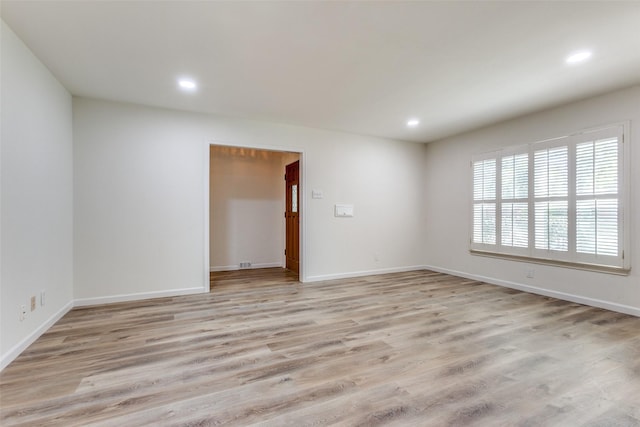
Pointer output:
551, 198
484, 201
559, 200
597, 197
515, 207
294, 198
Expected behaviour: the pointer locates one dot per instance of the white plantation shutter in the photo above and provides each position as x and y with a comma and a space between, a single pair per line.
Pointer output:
484, 201
597, 227
515, 225
515, 207
489, 223
551, 225
560, 200
551, 188
597, 197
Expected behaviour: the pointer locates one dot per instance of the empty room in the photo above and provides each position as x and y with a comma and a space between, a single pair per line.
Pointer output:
353, 213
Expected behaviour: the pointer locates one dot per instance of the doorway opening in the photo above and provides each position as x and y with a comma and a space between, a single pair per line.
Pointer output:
251, 220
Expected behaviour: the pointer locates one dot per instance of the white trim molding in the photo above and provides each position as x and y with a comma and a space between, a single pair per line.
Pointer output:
607, 305
83, 302
349, 275
253, 266
17, 349
302, 191
206, 172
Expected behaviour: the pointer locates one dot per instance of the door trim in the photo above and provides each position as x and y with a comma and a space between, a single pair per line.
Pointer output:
302, 276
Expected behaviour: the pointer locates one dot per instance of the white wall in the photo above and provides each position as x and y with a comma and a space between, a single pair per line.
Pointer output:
139, 198
36, 182
246, 207
138, 195
447, 209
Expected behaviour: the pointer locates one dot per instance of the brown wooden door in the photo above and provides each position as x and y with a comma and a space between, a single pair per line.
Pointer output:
292, 215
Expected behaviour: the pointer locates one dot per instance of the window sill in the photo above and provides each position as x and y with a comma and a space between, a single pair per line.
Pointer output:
620, 271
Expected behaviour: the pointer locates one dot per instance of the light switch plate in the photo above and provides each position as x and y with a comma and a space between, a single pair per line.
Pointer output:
343, 211
316, 194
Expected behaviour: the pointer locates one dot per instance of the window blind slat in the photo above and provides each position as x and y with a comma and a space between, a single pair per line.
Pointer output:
586, 226
551, 170
507, 173
607, 227
515, 225
558, 226
521, 176
521, 225
541, 225
489, 178
552, 225
477, 223
558, 172
584, 168
478, 182
541, 173
605, 166
489, 223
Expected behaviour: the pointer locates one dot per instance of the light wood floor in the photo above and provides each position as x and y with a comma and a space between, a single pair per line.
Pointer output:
410, 349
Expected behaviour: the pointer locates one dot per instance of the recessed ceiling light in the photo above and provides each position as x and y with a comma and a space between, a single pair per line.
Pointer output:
578, 57
187, 84
413, 123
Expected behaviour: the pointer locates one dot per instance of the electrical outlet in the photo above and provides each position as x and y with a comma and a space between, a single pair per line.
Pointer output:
23, 312
33, 302
531, 273
245, 264
42, 295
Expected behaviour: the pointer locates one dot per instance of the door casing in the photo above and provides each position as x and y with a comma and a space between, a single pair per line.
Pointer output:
302, 201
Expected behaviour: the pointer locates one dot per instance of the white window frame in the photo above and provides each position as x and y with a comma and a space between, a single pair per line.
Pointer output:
615, 264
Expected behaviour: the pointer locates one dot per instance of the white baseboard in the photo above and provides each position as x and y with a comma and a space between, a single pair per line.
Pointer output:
349, 275
15, 351
83, 302
237, 267
607, 305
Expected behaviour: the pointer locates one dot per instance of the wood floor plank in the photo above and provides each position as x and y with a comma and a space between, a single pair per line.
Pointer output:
414, 348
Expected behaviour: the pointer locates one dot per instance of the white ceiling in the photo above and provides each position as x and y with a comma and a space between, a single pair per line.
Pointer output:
361, 67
